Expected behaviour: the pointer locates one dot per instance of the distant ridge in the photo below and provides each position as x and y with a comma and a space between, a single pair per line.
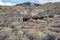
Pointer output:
28, 4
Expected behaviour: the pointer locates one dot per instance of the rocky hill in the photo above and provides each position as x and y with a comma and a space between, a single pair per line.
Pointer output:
30, 21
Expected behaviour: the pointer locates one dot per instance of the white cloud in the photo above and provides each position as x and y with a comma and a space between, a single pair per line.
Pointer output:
46, 1
7, 3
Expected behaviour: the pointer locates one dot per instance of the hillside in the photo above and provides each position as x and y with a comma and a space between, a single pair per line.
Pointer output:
30, 21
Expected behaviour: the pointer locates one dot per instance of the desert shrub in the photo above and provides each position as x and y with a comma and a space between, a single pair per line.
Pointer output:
58, 39
49, 37
56, 26
51, 16
0, 7
32, 38
36, 36
6, 29
12, 26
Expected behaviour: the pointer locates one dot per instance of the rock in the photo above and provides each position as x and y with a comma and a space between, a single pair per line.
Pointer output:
43, 21
56, 16
3, 35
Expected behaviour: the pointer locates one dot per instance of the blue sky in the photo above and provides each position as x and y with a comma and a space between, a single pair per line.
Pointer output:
12, 2
17, 1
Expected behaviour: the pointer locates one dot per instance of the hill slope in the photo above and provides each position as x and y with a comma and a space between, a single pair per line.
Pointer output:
30, 22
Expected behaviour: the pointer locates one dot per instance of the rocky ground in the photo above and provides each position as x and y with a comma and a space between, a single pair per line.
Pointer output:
30, 22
